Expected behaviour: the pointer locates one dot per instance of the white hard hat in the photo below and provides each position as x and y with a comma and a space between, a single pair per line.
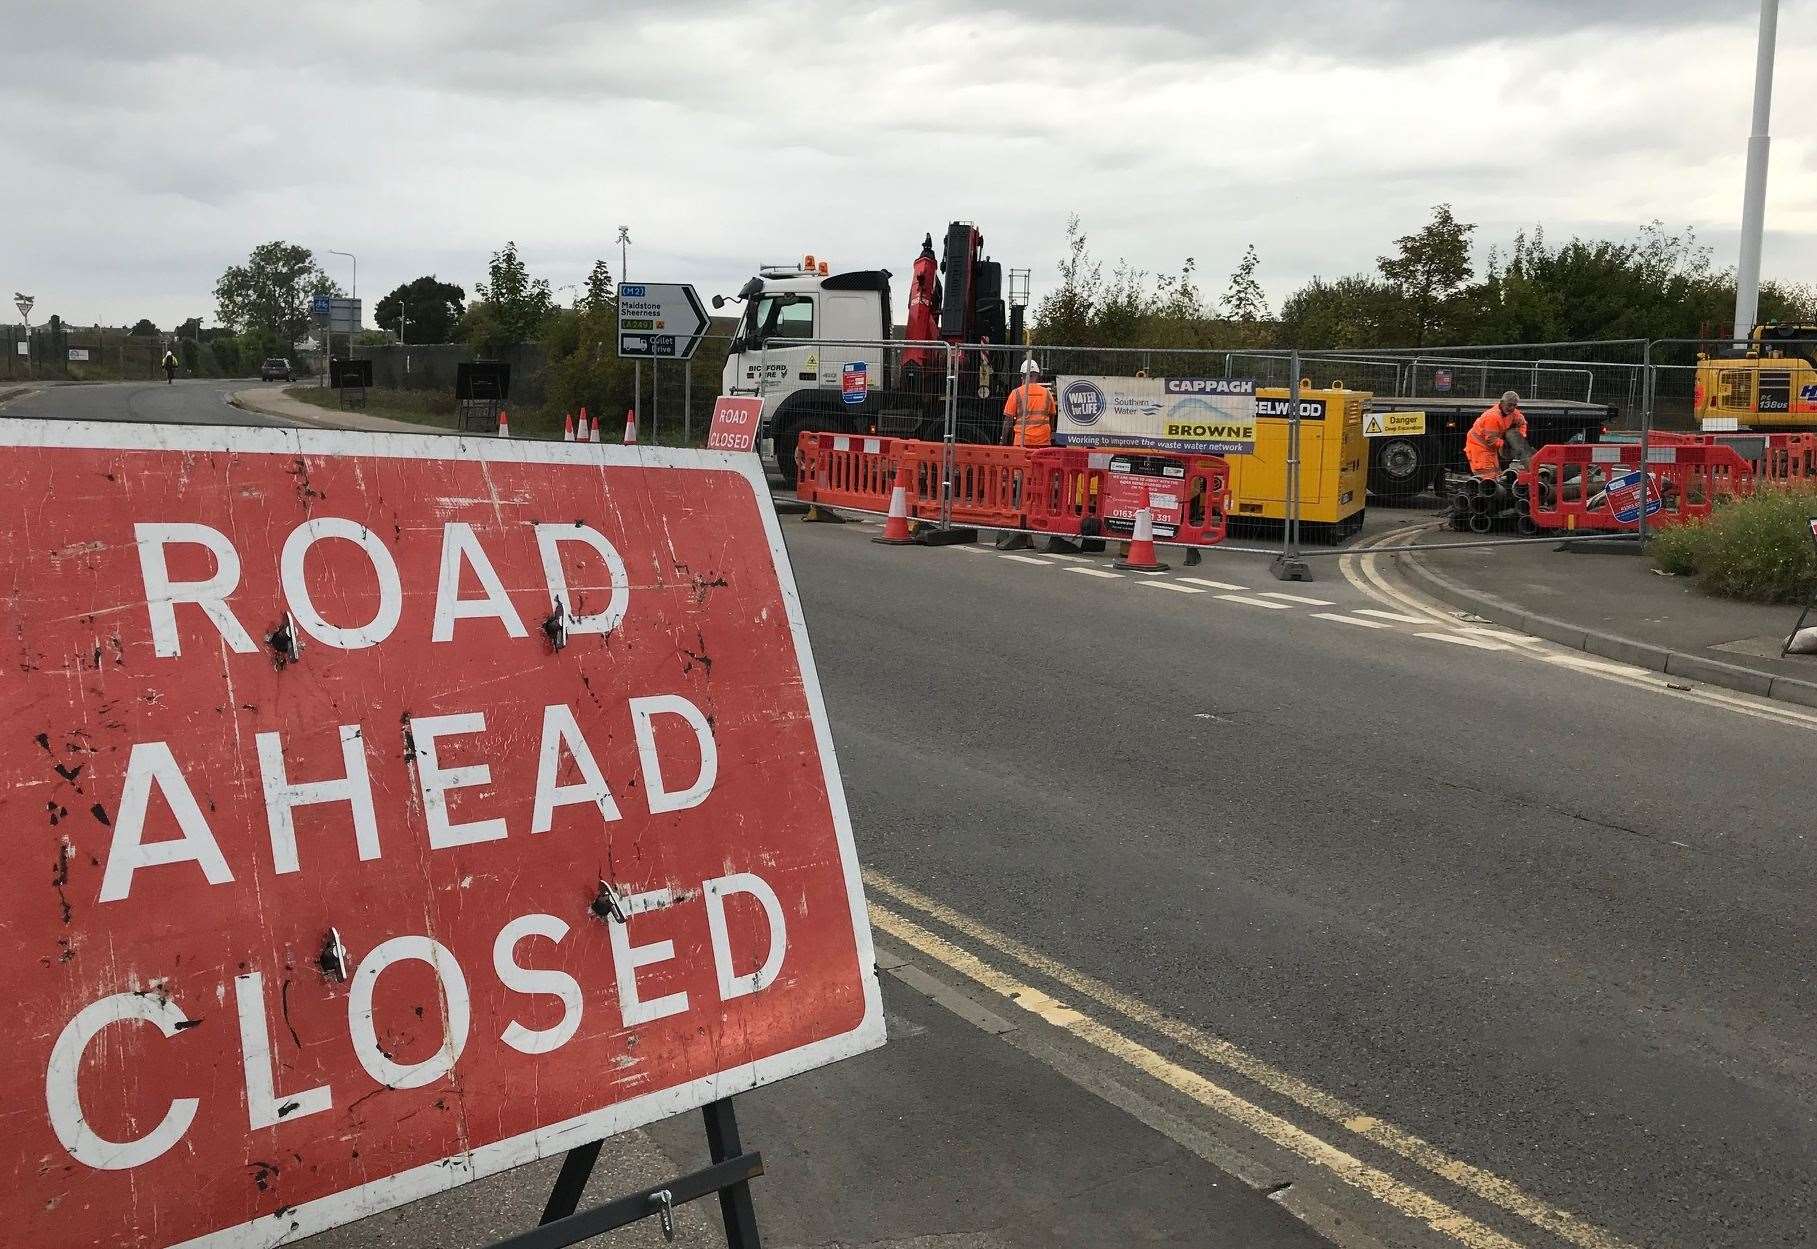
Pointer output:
1029, 366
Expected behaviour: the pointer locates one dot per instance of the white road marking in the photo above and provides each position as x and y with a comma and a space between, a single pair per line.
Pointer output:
1459, 639
1097, 572
1158, 572
1350, 620
1029, 559
1298, 598
1168, 585
1391, 615
1596, 665
1212, 585
1253, 602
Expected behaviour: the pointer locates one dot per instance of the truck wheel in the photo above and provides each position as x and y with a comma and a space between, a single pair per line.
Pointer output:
1399, 469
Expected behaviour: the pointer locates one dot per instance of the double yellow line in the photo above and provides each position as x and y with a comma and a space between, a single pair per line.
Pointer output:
1403, 1197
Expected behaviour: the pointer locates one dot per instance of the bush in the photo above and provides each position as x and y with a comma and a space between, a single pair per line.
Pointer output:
1758, 548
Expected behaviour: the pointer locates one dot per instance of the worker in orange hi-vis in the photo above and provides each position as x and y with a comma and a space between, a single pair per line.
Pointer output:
1499, 435
1028, 421
1029, 411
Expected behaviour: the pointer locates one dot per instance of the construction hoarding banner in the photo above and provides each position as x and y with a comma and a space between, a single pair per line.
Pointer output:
409, 808
1213, 415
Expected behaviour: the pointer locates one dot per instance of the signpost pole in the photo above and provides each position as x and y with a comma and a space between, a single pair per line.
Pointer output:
687, 403
1288, 566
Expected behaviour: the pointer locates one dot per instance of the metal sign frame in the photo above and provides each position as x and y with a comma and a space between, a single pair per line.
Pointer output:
1809, 607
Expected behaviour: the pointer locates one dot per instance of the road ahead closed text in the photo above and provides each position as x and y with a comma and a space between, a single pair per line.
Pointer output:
336, 880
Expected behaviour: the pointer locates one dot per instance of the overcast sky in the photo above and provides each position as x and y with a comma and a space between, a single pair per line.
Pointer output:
148, 145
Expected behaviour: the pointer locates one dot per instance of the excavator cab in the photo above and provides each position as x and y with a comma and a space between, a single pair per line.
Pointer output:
1769, 386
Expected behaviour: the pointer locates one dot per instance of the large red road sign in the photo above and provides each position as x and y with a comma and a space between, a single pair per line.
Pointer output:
333, 880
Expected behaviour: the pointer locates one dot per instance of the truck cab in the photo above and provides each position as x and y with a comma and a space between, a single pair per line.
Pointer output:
904, 393
801, 385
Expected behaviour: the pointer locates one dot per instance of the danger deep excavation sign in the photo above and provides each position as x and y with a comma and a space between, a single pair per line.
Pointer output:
386, 811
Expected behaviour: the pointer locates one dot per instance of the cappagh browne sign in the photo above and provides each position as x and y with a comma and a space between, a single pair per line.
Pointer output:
1210, 415
386, 811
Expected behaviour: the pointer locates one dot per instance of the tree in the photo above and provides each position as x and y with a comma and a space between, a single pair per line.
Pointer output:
269, 295
1244, 300
430, 310
516, 305
586, 369
1430, 266
1354, 311
143, 329
1066, 315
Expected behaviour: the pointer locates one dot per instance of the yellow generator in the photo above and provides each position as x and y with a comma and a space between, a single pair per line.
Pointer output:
1772, 386
1334, 461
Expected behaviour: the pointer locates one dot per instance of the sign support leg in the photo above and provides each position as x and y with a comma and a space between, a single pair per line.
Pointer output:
577, 1169
729, 1175
734, 1199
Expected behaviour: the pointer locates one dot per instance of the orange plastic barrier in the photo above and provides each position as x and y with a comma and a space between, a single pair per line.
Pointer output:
1074, 491
848, 470
988, 482
1603, 487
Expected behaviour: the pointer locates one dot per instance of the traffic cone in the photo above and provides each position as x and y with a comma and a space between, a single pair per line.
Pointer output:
567, 427
585, 432
504, 423
630, 427
896, 528
1141, 554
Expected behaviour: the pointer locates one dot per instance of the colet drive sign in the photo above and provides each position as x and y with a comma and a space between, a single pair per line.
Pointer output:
386, 811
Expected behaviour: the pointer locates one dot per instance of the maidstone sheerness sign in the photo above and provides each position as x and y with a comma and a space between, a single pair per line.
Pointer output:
659, 320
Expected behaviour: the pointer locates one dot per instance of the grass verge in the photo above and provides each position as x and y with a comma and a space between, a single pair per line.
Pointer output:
1758, 548
434, 408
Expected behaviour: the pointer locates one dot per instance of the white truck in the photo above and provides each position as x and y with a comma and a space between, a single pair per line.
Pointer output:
802, 386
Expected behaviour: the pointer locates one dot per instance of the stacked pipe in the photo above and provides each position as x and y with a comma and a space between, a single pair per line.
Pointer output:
1478, 503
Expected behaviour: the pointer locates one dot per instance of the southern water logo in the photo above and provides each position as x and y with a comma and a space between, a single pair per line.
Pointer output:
1082, 402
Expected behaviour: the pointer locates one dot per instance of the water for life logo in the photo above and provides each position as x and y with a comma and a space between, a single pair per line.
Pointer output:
1083, 402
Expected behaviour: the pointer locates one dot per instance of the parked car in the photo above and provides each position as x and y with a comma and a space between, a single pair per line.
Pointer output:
275, 369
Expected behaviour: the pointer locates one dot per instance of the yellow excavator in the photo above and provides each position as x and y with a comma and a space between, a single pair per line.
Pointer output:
1768, 386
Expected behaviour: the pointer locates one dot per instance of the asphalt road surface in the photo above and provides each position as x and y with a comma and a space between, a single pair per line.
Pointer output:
200, 401
1553, 921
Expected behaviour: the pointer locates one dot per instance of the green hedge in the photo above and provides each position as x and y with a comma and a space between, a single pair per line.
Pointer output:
1757, 548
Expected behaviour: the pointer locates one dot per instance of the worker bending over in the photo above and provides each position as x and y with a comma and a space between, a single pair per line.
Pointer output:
1498, 436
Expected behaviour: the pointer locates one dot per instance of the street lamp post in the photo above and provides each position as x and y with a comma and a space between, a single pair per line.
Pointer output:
354, 294
637, 366
1754, 194
24, 304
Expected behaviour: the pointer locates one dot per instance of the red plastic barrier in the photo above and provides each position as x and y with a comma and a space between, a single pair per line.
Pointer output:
848, 470
1602, 487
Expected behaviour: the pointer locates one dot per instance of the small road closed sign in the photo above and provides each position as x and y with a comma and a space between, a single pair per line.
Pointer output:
735, 422
388, 811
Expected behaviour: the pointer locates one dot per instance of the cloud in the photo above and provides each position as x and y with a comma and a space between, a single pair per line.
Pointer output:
149, 146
